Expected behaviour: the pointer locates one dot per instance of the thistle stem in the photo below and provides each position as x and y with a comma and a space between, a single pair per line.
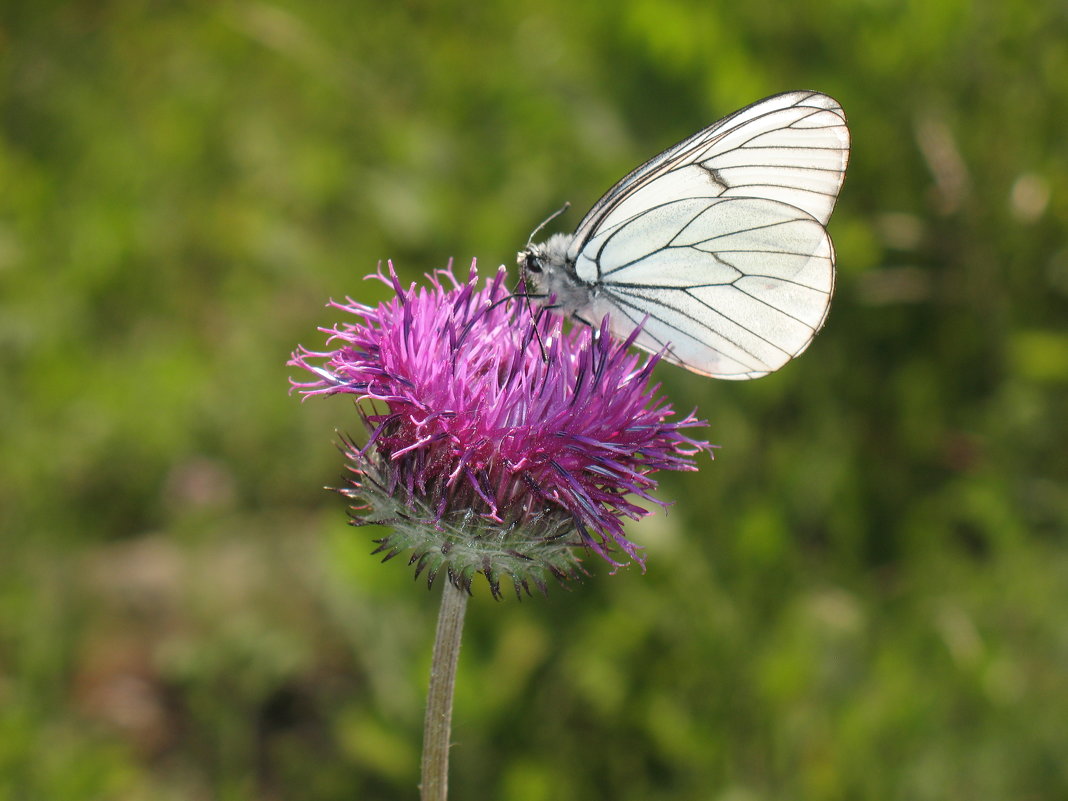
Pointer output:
438, 725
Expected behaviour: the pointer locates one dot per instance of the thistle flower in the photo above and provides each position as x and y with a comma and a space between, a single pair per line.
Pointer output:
498, 443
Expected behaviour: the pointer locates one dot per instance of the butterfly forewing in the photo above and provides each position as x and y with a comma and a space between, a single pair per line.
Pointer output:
791, 147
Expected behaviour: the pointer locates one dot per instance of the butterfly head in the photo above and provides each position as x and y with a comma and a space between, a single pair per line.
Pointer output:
549, 272
537, 266
529, 260
538, 262
545, 264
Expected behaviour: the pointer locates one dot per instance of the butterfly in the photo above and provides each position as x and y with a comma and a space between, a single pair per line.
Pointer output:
716, 249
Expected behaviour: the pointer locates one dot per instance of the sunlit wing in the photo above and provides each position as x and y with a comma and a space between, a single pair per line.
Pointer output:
732, 287
719, 244
791, 147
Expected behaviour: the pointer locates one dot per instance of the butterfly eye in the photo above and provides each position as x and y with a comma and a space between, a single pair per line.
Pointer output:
531, 264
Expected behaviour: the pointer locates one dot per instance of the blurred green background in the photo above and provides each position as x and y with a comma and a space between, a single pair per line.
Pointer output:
863, 597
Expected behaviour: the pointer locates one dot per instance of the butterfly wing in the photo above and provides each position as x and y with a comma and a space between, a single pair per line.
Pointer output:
720, 240
727, 287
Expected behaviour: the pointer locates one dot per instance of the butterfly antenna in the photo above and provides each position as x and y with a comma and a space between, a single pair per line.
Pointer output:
546, 221
520, 291
534, 318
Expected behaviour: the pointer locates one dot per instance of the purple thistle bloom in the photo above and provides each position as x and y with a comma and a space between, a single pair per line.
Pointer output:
498, 442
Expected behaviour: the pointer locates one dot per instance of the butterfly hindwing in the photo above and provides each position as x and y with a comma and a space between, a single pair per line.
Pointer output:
731, 287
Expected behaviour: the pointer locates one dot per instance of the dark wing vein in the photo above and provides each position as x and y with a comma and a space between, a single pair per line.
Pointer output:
679, 155
623, 302
616, 229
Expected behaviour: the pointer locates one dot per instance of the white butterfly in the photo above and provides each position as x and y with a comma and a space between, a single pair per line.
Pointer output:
718, 243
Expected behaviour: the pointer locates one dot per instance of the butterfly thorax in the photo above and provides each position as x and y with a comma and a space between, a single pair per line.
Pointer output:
550, 272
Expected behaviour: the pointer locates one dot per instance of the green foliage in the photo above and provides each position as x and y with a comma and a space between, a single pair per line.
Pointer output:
860, 598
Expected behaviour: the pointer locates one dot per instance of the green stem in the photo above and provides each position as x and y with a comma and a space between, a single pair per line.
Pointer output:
438, 725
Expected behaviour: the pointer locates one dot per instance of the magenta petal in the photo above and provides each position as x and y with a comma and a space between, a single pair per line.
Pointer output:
497, 412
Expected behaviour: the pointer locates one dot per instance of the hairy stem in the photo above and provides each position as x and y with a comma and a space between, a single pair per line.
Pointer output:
438, 725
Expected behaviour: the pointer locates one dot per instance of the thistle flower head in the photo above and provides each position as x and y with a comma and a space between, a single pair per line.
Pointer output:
497, 441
